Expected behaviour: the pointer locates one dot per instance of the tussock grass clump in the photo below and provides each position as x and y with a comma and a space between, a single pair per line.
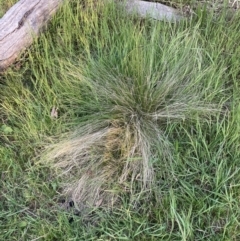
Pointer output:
126, 111
137, 82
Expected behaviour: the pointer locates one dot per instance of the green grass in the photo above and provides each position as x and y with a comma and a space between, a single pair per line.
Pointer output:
146, 137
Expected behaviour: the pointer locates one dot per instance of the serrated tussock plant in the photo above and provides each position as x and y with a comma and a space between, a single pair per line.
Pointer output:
124, 121
131, 94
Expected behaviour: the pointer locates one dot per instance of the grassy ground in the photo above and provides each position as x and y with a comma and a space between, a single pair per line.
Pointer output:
115, 128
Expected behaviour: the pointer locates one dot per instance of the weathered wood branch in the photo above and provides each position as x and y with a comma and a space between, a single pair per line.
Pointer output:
25, 20
21, 24
153, 10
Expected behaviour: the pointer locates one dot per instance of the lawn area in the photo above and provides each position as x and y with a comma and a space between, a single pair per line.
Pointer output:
119, 128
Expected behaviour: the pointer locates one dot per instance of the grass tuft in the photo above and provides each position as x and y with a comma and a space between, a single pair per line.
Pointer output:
137, 88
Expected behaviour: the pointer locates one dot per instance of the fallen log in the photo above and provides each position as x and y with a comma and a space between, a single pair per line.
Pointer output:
153, 10
21, 24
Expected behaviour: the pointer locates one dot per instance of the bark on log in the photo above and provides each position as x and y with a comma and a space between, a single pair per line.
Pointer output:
21, 24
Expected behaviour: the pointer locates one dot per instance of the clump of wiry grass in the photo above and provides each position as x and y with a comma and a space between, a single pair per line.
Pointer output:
125, 119
125, 113
143, 80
